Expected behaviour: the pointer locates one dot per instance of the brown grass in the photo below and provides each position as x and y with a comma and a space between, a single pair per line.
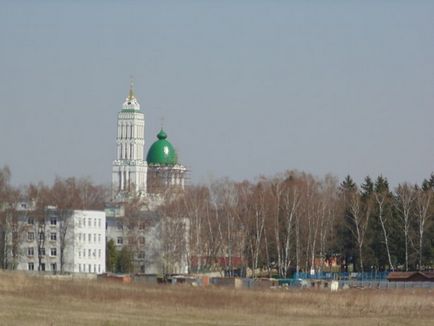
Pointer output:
26, 300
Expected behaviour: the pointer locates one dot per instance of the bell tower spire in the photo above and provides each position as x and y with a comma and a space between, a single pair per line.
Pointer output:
131, 91
129, 171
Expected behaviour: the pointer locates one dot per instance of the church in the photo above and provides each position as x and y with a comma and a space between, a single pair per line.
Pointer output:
131, 172
158, 244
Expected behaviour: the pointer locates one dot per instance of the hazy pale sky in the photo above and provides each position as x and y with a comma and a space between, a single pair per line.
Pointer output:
245, 87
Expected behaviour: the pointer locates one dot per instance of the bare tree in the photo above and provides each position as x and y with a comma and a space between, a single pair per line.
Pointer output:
359, 214
10, 226
405, 196
381, 200
423, 203
290, 203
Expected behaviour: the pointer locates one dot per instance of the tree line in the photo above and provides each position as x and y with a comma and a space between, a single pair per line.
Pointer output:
297, 222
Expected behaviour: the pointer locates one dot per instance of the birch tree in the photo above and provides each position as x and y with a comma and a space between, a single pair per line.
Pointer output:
382, 196
405, 196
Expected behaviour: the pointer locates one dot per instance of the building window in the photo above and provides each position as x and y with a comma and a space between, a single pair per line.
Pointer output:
141, 255
99, 223
99, 238
79, 254
89, 222
41, 236
90, 267
94, 222
90, 237
30, 220
119, 225
99, 253
31, 266
30, 236
94, 237
89, 252
53, 252
94, 253
41, 251
79, 267
99, 268
53, 221
30, 251
42, 267
84, 252
142, 240
120, 241
84, 221
79, 237
53, 236
54, 267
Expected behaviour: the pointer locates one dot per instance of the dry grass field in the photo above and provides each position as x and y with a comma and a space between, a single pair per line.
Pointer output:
26, 300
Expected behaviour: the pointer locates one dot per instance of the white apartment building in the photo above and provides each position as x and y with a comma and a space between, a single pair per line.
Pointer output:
74, 243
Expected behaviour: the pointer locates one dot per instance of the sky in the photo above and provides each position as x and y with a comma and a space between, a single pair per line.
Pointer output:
245, 87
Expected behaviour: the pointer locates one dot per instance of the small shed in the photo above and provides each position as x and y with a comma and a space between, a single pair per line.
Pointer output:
411, 277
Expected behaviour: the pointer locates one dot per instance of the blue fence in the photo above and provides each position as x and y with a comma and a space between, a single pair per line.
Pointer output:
365, 276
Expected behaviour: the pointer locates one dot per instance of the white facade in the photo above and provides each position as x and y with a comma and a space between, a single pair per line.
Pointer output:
130, 169
72, 244
87, 253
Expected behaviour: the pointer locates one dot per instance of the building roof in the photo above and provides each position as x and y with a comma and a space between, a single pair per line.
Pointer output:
407, 275
162, 151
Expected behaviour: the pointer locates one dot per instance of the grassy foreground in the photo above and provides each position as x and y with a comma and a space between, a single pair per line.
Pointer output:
26, 300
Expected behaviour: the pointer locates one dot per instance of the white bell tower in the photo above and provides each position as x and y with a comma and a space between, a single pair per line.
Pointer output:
129, 169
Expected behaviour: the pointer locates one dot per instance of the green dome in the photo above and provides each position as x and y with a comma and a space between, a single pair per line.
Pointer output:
162, 151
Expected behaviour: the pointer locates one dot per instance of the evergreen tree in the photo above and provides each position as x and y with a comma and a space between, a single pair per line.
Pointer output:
125, 261
111, 256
